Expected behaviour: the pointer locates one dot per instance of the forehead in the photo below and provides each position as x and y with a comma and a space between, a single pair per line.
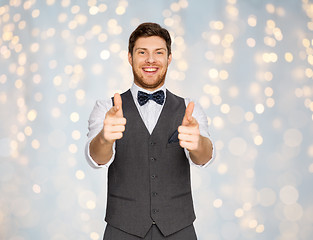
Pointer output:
153, 42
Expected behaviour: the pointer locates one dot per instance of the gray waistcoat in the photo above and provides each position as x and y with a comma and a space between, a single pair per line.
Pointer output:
149, 179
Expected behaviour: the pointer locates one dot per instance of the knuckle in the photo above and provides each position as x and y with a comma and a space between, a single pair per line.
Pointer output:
106, 121
106, 136
106, 129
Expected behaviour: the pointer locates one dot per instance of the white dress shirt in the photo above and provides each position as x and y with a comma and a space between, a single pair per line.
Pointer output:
149, 112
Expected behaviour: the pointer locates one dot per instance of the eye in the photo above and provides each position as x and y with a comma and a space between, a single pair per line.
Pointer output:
160, 52
141, 52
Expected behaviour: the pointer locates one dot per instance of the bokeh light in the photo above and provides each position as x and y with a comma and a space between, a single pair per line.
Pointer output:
249, 64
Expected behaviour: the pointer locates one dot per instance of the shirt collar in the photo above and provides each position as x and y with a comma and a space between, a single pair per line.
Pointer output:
135, 88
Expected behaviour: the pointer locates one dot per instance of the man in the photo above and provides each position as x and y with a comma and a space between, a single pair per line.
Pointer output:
148, 138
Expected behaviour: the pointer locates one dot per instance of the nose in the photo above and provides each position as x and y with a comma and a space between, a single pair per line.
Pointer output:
150, 58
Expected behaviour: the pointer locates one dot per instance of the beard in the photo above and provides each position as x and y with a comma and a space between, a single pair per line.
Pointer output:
146, 84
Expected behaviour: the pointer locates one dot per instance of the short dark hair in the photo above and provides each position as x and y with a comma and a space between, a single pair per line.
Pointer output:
149, 29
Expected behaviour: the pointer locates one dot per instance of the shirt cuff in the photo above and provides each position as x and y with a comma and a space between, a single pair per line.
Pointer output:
91, 162
204, 165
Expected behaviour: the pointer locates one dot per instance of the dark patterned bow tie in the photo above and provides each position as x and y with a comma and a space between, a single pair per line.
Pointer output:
143, 97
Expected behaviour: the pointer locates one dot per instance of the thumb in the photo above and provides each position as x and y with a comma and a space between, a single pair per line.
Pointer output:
188, 114
118, 105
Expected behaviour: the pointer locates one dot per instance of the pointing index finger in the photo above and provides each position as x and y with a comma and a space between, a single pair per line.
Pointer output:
189, 110
188, 114
118, 105
117, 101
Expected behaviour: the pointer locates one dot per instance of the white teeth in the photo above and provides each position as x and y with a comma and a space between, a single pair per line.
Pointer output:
150, 69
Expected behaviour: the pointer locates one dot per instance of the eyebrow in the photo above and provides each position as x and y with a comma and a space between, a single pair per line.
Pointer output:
157, 49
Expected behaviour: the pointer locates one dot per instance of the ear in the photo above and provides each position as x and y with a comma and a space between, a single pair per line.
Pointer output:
130, 59
169, 59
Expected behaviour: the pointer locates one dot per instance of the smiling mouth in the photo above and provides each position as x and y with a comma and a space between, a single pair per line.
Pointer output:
150, 69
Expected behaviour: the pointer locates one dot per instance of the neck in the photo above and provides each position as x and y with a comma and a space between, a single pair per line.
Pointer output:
149, 88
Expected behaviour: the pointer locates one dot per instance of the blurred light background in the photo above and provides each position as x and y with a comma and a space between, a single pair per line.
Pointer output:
249, 64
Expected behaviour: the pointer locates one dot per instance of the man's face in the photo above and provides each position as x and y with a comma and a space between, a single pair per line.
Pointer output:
149, 62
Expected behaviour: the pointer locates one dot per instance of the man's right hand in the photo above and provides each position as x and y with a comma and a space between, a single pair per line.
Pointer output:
114, 122
113, 128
